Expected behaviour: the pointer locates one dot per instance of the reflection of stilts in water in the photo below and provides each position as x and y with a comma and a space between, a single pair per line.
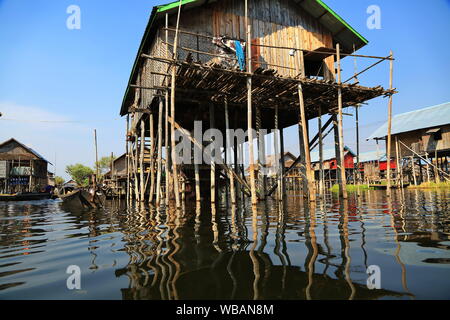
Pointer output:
397, 251
170, 255
160, 256
345, 245
325, 238
91, 247
255, 262
265, 258
279, 241
363, 230
310, 235
234, 236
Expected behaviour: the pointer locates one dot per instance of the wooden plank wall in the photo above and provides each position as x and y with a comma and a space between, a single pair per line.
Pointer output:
275, 23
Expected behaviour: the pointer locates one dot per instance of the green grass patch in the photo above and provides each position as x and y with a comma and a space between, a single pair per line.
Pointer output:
351, 188
430, 185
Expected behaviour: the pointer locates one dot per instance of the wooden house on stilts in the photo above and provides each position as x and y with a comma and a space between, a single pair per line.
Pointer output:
235, 64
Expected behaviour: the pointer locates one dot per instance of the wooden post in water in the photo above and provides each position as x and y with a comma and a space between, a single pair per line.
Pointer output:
141, 161
397, 163
311, 188
276, 160
227, 149
321, 173
96, 155
213, 164
152, 157
128, 159
389, 138
261, 154
342, 187
282, 167
254, 198
158, 172
413, 167
168, 152
172, 113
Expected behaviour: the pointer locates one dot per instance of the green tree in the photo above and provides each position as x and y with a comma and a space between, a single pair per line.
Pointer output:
80, 173
59, 181
104, 164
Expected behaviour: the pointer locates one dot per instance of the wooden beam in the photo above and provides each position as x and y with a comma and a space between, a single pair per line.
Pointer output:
343, 180
389, 138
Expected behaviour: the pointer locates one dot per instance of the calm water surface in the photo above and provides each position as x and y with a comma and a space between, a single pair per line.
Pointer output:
280, 253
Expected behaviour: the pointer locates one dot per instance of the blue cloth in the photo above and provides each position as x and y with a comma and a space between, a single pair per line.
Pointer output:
240, 54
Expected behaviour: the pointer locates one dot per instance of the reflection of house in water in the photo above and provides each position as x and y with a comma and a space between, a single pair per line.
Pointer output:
418, 137
21, 168
196, 259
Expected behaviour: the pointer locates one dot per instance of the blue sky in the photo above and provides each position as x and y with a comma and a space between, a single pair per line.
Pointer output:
58, 85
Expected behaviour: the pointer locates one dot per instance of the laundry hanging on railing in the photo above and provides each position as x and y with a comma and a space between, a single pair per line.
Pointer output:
232, 52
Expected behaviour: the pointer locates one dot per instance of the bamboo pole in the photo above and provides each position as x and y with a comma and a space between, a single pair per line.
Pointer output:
304, 124
213, 164
158, 172
166, 129
96, 155
277, 154
197, 183
282, 168
128, 159
342, 188
397, 160
227, 149
389, 138
152, 157
172, 113
141, 161
254, 199
413, 168
261, 154
321, 173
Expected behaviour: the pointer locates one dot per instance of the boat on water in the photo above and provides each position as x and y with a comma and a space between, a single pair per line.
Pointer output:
25, 196
82, 199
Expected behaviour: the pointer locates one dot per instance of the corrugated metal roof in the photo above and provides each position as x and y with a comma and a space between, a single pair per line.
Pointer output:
372, 156
414, 120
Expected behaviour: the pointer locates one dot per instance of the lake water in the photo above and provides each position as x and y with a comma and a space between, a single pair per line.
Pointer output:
281, 253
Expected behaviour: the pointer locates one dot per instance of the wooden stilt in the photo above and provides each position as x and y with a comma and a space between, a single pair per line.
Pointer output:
128, 160
166, 127
321, 172
342, 189
277, 160
227, 150
413, 168
173, 116
213, 164
152, 157
337, 149
310, 190
254, 198
141, 162
282, 166
389, 138
159, 161
261, 154
397, 162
